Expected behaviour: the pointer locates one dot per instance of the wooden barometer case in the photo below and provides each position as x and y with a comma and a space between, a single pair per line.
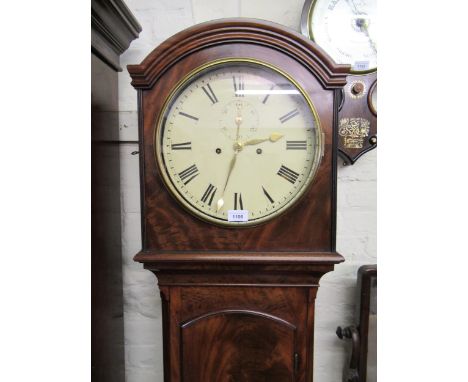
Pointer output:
238, 153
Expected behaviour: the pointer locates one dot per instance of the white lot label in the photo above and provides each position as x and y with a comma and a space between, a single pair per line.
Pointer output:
238, 215
361, 65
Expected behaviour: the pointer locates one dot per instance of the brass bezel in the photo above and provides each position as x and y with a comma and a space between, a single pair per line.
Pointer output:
372, 89
311, 36
168, 183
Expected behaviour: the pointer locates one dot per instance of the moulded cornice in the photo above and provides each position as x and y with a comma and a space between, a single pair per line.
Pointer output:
238, 30
113, 27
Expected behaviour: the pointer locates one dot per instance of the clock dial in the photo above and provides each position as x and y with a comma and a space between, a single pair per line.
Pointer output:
238, 135
373, 98
346, 30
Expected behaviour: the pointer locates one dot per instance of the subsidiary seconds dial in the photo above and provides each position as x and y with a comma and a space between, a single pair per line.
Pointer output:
238, 135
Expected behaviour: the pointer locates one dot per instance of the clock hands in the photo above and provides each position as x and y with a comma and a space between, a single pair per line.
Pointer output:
237, 148
362, 23
220, 202
238, 121
272, 138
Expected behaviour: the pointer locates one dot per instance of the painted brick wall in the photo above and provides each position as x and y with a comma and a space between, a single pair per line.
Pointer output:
356, 231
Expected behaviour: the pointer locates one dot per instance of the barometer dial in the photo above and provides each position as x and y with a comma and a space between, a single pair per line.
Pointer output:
345, 29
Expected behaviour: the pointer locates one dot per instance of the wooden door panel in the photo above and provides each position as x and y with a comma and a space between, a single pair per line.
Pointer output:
238, 346
288, 304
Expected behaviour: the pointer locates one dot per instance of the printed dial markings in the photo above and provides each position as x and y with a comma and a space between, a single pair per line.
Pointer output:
239, 86
288, 174
182, 146
189, 173
210, 94
188, 115
209, 194
296, 145
268, 94
289, 115
267, 195
238, 201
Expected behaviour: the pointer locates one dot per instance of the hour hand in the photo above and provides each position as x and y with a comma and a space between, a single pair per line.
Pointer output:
272, 138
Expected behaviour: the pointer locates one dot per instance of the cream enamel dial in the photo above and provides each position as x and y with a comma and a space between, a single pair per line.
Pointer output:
238, 135
346, 30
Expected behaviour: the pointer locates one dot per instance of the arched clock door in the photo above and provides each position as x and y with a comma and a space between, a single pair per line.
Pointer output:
238, 345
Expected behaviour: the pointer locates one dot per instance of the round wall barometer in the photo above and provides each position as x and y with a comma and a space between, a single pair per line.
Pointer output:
345, 29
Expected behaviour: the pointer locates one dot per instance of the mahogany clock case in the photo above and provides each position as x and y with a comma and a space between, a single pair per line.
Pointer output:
309, 226
238, 303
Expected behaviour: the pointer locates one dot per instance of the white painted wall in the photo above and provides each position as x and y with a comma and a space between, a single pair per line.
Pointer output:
356, 231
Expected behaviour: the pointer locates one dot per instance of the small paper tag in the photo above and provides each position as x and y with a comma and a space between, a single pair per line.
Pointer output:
361, 65
238, 215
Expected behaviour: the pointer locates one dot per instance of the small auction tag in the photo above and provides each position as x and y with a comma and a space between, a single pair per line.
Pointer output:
361, 65
238, 215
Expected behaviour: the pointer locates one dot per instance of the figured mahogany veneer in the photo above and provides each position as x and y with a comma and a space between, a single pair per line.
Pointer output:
244, 323
238, 303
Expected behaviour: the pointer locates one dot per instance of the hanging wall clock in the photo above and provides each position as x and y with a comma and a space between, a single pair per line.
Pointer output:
346, 30
238, 145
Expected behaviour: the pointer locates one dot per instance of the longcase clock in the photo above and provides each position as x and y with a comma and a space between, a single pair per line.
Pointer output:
238, 148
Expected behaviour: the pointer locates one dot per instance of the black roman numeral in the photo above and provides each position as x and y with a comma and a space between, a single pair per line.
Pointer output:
288, 174
296, 145
210, 94
238, 201
288, 116
238, 85
188, 115
268, 94
189, 174
182, 146
209, 194
267, 195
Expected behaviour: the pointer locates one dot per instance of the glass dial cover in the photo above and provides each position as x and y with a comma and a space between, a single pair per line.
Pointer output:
238, 135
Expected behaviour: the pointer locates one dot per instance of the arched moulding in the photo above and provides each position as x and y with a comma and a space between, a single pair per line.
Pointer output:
239, 312
238, 30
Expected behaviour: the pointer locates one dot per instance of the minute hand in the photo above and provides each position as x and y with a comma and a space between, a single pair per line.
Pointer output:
272, 138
